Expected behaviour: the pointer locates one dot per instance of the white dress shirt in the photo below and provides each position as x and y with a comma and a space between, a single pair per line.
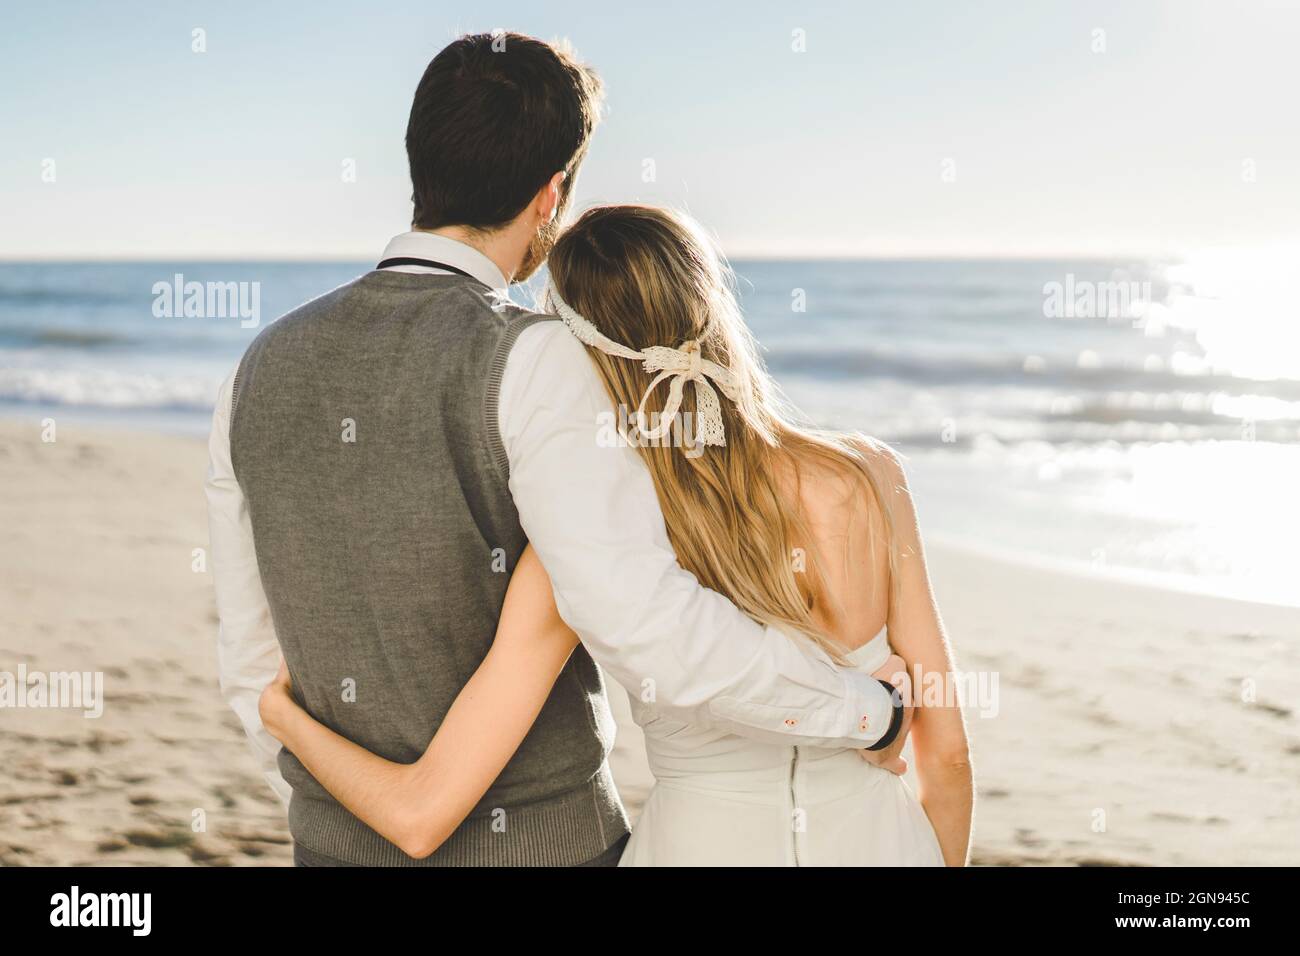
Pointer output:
592, 514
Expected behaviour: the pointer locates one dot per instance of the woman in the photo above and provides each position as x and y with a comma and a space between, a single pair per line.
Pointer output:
806, 530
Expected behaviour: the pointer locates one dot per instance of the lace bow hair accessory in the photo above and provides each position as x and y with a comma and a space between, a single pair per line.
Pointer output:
681, 365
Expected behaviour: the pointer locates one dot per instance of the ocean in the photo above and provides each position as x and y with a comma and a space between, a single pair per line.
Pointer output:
1130, 418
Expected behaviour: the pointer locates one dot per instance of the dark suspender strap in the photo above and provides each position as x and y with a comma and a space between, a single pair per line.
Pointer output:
409, 261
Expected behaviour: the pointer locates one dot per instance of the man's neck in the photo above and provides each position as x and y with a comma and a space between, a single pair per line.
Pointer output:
504, 249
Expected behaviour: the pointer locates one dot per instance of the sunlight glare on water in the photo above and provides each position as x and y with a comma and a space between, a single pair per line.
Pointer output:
1242, 306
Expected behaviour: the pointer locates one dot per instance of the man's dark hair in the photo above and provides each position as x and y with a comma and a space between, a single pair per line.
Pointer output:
495, 116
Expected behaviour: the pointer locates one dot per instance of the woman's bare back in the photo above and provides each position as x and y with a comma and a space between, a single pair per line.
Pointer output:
850, 542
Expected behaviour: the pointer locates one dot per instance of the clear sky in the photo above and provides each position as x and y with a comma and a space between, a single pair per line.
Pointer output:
917, 128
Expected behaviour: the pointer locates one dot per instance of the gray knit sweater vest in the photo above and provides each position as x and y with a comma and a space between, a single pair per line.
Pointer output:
364, 436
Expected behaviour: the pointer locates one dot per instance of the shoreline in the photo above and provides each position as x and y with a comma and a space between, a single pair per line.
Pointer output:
185, 424
1122, 736
1164, 582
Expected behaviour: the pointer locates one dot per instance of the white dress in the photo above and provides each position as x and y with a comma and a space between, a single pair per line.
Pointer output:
724, 800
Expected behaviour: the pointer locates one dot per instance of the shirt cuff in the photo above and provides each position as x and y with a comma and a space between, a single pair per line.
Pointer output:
857, 720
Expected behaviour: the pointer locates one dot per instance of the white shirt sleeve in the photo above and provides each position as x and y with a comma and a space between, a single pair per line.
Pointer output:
590, 510
248, 654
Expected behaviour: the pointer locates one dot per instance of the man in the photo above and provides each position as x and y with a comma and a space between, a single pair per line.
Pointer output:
381, 456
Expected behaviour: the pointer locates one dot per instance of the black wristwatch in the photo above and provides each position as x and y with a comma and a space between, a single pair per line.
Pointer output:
895, 720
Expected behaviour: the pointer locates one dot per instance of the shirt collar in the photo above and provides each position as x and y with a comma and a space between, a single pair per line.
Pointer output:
428, 245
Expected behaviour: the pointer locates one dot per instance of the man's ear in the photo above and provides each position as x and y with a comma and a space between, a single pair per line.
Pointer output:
548, 198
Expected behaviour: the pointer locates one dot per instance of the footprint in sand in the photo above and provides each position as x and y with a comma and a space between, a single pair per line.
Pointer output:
1171, 816
1273, 710
1027, 837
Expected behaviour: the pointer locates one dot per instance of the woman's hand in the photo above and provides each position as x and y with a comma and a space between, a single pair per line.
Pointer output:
276, 701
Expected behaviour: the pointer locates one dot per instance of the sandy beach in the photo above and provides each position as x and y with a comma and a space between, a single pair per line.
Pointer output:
1133, 725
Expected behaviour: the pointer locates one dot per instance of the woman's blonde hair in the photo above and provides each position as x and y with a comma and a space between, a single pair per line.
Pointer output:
647, 276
